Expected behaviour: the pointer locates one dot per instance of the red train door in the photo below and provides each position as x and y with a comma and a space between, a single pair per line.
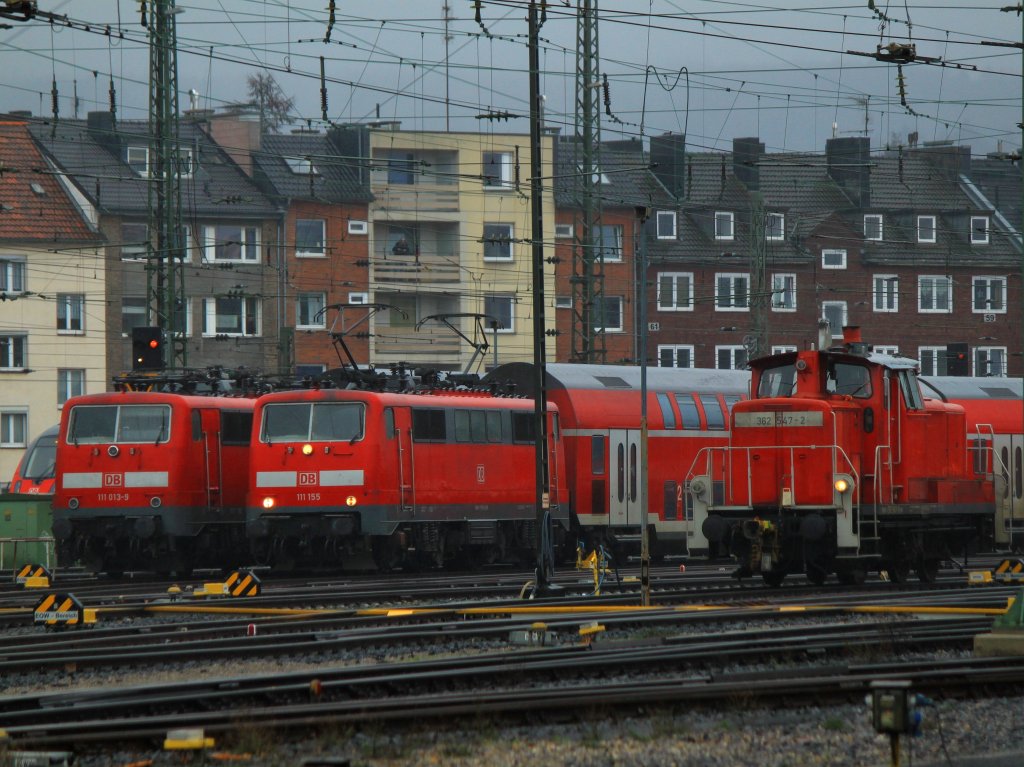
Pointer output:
398, 421
210, 427
624, 477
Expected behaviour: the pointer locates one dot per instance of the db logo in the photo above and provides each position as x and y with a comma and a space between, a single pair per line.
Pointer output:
480, 474
113, 480
307, 477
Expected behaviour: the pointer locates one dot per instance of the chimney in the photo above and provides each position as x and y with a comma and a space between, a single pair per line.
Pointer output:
237, 136
668, 156
102, 129
951, 160
353, 142
746, 153
849, 165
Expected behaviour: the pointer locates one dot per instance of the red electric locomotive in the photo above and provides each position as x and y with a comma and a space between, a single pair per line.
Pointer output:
839, 463
152, 480
416, 478
36, 472
599, 407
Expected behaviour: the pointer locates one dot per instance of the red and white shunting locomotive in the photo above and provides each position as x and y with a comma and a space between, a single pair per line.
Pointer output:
152, 480
841, 462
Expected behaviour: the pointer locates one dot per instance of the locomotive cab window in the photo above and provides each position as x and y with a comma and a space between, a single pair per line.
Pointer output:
778, 381
910, 389
847, 379
522, 427
235, 427
315, 422
429, 425
119, 423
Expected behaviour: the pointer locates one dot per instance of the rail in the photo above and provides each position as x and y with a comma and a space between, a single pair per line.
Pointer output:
48, 541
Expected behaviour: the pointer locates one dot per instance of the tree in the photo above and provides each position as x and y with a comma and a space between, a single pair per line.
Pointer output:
275, 108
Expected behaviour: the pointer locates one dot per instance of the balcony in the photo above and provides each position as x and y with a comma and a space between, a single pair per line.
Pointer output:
417, 347
419, 198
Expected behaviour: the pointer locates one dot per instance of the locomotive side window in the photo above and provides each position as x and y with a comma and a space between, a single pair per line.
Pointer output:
778, 381
688, 410
197, 426
389, 423
597, 454
235, 427
522, 427
910, 389
428, 425
668, 415
713, 412
494, 430
853, 380
462, 425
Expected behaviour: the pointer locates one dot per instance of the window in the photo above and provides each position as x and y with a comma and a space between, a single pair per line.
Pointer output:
784, 292
70, 312
498, 242
732, 292
358, 227
497, 170
675, 356
926, 228
186, 163
724, 226
232, 242
13, 425
12, 352
775, 226
134, 241
310, 237
873, 226
990, 361
70, 383
835, 313
611, 243
833, 258
182, 320
892, 351
783, 349
608, 315
563, 302
989, 295
309, 308
232, 316
934, 293
138, 159
666, 220
134, 313
313, 370
979, 230
12, 276
885, 296
500, 308
563, 231
730, 357
933, 360
302, 166
675, 291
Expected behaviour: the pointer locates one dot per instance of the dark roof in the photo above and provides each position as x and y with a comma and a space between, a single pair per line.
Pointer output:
34, 206
95, 158
337, 177
629, 180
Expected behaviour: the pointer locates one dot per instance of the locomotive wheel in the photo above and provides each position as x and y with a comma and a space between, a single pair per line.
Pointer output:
899, 572
928, 570
853, 576
773, 578
816, 574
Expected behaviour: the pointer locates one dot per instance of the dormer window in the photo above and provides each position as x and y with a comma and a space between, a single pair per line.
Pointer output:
724, 225
873, 226
137, 158
666, 220
926, 228
774, 226
979, 230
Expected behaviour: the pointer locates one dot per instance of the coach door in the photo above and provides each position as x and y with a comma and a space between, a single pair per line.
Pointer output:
1009, 461
210, 420
624, 477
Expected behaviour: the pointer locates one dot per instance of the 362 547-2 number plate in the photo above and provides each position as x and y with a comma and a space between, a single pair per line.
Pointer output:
778, 418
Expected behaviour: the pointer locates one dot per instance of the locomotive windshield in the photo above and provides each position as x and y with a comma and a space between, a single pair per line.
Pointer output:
119, 423
779, 381
312, 421
41, 461
844, 378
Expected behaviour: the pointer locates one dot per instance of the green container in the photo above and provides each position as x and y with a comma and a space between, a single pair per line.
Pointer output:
25, 517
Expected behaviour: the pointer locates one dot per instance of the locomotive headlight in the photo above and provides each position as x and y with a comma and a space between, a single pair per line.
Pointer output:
268, 502
307, 449
842, 485
350, 501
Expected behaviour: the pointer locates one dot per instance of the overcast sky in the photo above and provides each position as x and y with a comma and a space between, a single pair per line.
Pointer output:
714, 70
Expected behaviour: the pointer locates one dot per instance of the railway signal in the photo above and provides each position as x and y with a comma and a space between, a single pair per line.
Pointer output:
147, 348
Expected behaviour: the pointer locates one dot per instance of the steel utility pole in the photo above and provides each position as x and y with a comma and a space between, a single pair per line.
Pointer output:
165, 262
588, 344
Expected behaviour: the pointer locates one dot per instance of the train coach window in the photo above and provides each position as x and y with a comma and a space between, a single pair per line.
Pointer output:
668, 415
235, 427
712, 412
597, 454
688, 410
522, 427
429, 425
730, 401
